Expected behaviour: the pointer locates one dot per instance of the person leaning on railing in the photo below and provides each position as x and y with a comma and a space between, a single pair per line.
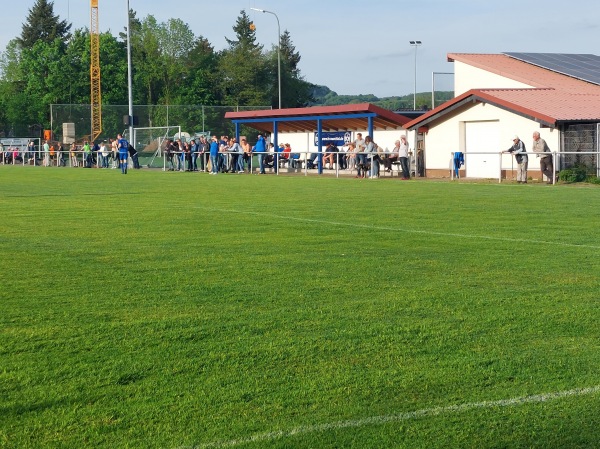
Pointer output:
371, 157
214, 155
261, 149
247, 153
73, 155
360, 145
202, 150
60, 155
520, 153
331, 152
236, 162
115, 153
351, 157
87, 155
540, 146
169, 153
31, 152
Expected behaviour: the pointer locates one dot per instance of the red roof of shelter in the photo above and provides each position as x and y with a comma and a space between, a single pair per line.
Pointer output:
333, 118
553, 98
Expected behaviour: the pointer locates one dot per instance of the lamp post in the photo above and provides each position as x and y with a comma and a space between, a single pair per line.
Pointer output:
415, 44
129, 87
278, 50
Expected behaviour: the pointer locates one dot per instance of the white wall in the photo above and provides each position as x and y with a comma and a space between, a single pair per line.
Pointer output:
447, 136
468, 77
301, 142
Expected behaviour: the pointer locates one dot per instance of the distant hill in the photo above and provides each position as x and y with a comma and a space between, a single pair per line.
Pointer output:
323, 96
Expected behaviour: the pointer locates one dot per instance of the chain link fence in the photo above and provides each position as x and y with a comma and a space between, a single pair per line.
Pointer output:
581, 138
192, 118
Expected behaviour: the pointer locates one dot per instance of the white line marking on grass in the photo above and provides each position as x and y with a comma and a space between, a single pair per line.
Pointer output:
378, 420
412, 231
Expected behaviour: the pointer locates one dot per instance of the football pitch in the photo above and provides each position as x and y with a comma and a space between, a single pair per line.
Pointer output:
181, 310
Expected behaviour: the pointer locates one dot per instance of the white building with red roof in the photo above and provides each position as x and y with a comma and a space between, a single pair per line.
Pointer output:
499, 96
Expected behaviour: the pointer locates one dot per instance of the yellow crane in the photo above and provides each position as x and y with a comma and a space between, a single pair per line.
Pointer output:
96, 91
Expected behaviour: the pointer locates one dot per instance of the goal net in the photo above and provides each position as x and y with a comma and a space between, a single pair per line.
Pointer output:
150, 143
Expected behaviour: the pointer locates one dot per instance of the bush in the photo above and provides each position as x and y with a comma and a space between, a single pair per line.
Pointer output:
593, 179
577, 173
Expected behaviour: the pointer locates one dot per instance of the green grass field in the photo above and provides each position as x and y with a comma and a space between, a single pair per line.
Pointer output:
181, 310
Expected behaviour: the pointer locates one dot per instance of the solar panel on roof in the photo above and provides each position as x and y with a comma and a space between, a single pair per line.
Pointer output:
585, 67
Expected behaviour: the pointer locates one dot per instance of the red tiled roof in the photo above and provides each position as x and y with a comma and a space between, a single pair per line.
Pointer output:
558, 104
525, 73
384, 119
554, 97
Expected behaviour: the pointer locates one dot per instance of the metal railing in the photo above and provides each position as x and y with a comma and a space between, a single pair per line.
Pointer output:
305, 162
502, 154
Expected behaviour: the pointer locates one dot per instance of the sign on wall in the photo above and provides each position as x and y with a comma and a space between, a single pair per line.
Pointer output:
339, 138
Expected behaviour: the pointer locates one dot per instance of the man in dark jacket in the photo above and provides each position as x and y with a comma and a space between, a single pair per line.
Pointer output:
133, 154
518, 149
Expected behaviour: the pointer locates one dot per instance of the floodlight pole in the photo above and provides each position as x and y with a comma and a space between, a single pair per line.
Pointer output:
416, 45
278, 49
129, 85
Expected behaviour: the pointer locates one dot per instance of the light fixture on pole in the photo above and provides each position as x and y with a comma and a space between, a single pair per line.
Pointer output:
129, 86
278, 50
416, 45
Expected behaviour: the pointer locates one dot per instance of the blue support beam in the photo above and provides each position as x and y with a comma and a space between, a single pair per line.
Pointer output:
320, 143
276, 147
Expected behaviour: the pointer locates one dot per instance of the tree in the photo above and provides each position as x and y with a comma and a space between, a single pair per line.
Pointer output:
200, 75
171, 66
245, 31
244, 78
296, 92
113, 60
160, 55
39, 66
147, 60
175, 41
44, 82
43, 25
11, 87
289, 54
9, 62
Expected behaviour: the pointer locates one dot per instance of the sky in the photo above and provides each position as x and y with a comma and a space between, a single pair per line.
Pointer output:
362, 47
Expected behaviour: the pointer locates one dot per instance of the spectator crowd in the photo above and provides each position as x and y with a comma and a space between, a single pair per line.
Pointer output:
217, 155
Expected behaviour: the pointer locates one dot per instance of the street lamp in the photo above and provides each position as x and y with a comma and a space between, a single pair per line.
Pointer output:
278, 50
129, 84
415, 44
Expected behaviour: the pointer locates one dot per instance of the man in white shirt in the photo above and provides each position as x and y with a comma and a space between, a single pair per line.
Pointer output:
46, 153
403, 156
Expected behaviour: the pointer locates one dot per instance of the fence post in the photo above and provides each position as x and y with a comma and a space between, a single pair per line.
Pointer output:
500, 171
553, 167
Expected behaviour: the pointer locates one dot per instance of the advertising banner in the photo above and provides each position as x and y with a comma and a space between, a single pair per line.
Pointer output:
339, 138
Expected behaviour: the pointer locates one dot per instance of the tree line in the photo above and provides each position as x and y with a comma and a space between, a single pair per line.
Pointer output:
50, 64
324, 96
